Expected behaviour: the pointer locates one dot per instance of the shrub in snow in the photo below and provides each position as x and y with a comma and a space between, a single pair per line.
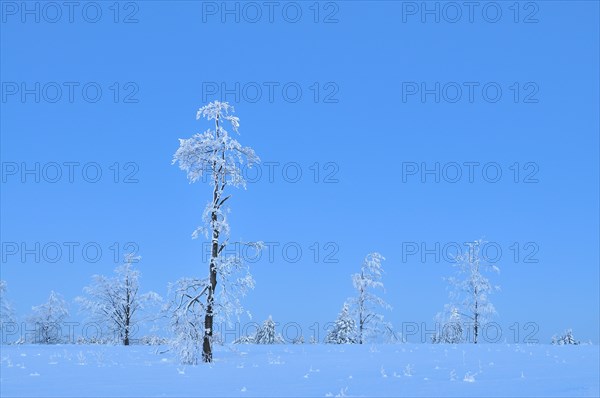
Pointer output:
565, 339
92, 340
152, 340
244, 340
298, 340
344, 329
187, 321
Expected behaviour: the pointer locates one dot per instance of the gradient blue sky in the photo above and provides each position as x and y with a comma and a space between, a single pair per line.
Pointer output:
368, 133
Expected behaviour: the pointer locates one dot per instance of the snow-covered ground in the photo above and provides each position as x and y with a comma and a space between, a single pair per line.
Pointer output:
304, 370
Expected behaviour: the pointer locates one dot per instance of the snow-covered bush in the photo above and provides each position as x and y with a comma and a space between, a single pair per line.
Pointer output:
344, 329
245, 340
565, 339
152, 340
186, 314
298, 340
93, 340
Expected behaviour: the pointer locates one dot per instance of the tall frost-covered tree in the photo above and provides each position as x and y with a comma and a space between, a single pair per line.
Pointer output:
220, 157
6, 309
470, 288
48, 319
116, 303
343, 330
365, 304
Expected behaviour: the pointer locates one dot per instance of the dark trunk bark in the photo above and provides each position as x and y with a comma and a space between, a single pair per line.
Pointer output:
127, 313
208, 318
476, 325
361, 310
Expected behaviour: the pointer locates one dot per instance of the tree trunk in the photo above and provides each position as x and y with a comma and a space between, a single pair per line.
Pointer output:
360, 329
361, 312
127, 313
126, 337
476, 324
208, 318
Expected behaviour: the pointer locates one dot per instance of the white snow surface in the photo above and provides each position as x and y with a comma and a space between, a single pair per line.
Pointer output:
302, 370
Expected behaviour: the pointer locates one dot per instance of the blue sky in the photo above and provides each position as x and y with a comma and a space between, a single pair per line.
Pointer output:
364, 130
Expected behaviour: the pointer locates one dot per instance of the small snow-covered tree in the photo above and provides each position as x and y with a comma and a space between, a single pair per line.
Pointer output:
116, 303
344, 329
220, 157
298, 340
565, 339
48, 318
6, 308
471, 289
267, 334
366, 303
451, 331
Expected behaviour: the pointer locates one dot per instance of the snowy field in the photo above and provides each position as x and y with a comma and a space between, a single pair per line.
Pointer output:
303, 370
